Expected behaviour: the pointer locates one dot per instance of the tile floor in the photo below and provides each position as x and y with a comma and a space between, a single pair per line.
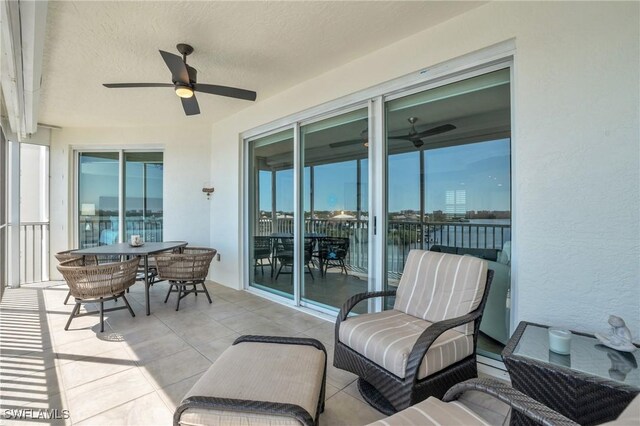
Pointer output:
139, 368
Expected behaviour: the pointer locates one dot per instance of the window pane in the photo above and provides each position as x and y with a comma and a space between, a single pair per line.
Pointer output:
34, 183
271, 213
98, 210
335, 244
449, 184
34, 213
143, 195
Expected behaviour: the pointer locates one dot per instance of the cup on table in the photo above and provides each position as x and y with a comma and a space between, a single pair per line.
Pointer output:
560, 341
136, 240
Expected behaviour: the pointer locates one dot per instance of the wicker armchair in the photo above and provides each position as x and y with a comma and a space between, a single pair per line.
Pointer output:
435, 412
98, 284
186, 269
65, 255
427, 342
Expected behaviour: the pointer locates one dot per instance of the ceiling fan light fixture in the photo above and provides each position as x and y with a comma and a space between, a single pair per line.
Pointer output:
184, 91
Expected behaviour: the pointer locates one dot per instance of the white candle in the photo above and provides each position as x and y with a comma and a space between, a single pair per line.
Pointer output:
560, 341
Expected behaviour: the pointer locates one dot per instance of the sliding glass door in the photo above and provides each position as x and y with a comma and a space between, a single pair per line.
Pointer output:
98, 198
449, 183
143, 184
119, 194
271, 214
335, 191
337, 201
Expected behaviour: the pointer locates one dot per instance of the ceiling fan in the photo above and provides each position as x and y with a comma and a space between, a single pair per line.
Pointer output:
364, 140
184, 78
416, 137
413, 136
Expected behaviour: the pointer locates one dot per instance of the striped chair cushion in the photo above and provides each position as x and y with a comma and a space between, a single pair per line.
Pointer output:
386, 338
438, 286
433, 412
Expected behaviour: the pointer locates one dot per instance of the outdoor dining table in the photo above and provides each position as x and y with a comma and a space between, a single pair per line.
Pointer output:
125, 249
275, 236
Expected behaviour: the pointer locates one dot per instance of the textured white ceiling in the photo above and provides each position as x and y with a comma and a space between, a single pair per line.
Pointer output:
262, 46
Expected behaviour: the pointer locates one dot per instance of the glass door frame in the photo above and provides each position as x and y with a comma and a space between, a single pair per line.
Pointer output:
247, 138
498, 56
248, 203
299, 201
121, 183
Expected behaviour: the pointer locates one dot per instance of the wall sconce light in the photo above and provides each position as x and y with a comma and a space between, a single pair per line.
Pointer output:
208, 191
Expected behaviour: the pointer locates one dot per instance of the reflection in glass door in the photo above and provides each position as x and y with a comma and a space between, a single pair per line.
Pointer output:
143, 195
440, 181
271, 207
110, 211
98, 202
335, 185
449, 184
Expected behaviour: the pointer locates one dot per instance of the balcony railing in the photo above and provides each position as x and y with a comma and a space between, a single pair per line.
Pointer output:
402, 236
94, 231
34, 252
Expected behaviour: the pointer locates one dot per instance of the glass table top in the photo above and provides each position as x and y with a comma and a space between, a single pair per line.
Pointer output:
587, 356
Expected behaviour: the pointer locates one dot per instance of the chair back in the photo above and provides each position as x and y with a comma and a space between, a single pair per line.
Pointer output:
65, 255
439, 286
261, 246
309, 244
333, 248
95, 281
190, 265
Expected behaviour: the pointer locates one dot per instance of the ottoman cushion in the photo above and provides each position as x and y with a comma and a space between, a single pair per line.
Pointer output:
264, 372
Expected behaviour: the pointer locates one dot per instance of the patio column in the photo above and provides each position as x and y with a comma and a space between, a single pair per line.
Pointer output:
13, 230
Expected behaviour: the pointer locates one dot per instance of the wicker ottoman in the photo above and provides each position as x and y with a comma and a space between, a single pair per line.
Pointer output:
260, 380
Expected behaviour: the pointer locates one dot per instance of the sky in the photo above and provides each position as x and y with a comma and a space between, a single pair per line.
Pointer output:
459, 178
99, 184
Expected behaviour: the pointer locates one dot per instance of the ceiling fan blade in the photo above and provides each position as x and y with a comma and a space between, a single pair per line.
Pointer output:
436, 130
430, 132
125, 85
177, 67
347, 143
231, 92
190, 105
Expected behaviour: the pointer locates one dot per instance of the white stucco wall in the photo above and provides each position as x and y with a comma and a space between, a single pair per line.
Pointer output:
186, 168
576, 150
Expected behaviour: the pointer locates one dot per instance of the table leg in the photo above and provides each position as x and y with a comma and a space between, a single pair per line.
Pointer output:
146, 284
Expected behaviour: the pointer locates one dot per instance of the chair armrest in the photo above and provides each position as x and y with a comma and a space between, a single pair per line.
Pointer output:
520, 402
428, 336
353, 301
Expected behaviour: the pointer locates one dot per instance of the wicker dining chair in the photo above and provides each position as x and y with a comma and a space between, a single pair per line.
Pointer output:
427, 342
186, 269
332, 252
284, 254
98, 284
65, 255
262, 253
